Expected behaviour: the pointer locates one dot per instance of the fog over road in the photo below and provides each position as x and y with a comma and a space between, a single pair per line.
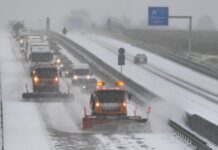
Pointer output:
35, 11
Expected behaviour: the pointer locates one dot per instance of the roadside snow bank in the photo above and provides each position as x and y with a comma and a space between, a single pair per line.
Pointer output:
23, 127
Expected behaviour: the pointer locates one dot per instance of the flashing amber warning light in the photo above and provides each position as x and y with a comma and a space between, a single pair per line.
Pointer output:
119, 84
100, 83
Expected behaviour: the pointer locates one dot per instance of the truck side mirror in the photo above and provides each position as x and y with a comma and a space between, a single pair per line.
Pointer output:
92, 97
60, 74
129, 96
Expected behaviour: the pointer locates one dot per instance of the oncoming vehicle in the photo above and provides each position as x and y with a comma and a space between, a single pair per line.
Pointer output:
140, 59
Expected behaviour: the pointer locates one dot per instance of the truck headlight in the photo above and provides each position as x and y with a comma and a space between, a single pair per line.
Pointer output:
97, 104
36, 79
87, 77
124, 104
56, 79
58, 61
75, 77
21, 41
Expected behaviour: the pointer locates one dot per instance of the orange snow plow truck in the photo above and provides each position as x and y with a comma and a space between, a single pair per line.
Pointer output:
109, 106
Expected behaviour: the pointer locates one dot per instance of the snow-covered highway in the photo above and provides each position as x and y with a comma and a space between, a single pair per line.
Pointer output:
181, 97
33, 125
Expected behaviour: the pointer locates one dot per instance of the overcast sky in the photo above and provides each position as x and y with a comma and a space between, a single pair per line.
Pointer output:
136, 10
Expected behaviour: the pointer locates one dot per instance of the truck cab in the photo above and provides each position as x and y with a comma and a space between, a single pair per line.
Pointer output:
109, 101
45, 78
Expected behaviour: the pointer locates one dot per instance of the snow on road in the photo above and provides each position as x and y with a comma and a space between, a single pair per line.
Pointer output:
116, 141
142, 141
188, 101
24, 129
26, 122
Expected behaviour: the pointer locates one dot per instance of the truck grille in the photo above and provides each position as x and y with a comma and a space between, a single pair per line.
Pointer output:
111, 107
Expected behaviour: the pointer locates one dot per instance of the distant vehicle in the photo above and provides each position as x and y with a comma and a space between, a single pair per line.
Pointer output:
22, 34
39, 54
89, 85
81, 72
54, 46
140, 59
16, 26
31, 40
68, 69
61, 60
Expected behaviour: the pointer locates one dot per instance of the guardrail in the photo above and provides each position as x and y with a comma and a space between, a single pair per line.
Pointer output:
203, 127
181, 60
100, 65
188, 136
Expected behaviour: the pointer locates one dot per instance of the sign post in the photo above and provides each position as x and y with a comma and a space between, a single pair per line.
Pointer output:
121, 58
47, 23
190, 28
159, 16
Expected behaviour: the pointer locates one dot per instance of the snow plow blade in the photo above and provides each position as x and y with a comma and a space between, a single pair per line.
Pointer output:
45, 95
114, 124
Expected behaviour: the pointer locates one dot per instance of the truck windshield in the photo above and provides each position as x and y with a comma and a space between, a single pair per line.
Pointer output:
81, 72
110, 96
46, 72
41, 57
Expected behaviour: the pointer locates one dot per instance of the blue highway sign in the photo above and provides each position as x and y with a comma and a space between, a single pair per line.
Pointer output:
158, 16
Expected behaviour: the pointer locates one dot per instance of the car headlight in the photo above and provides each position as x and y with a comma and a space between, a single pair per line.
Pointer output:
84, 87
87, 77
66, 72
62, 65
21, 41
